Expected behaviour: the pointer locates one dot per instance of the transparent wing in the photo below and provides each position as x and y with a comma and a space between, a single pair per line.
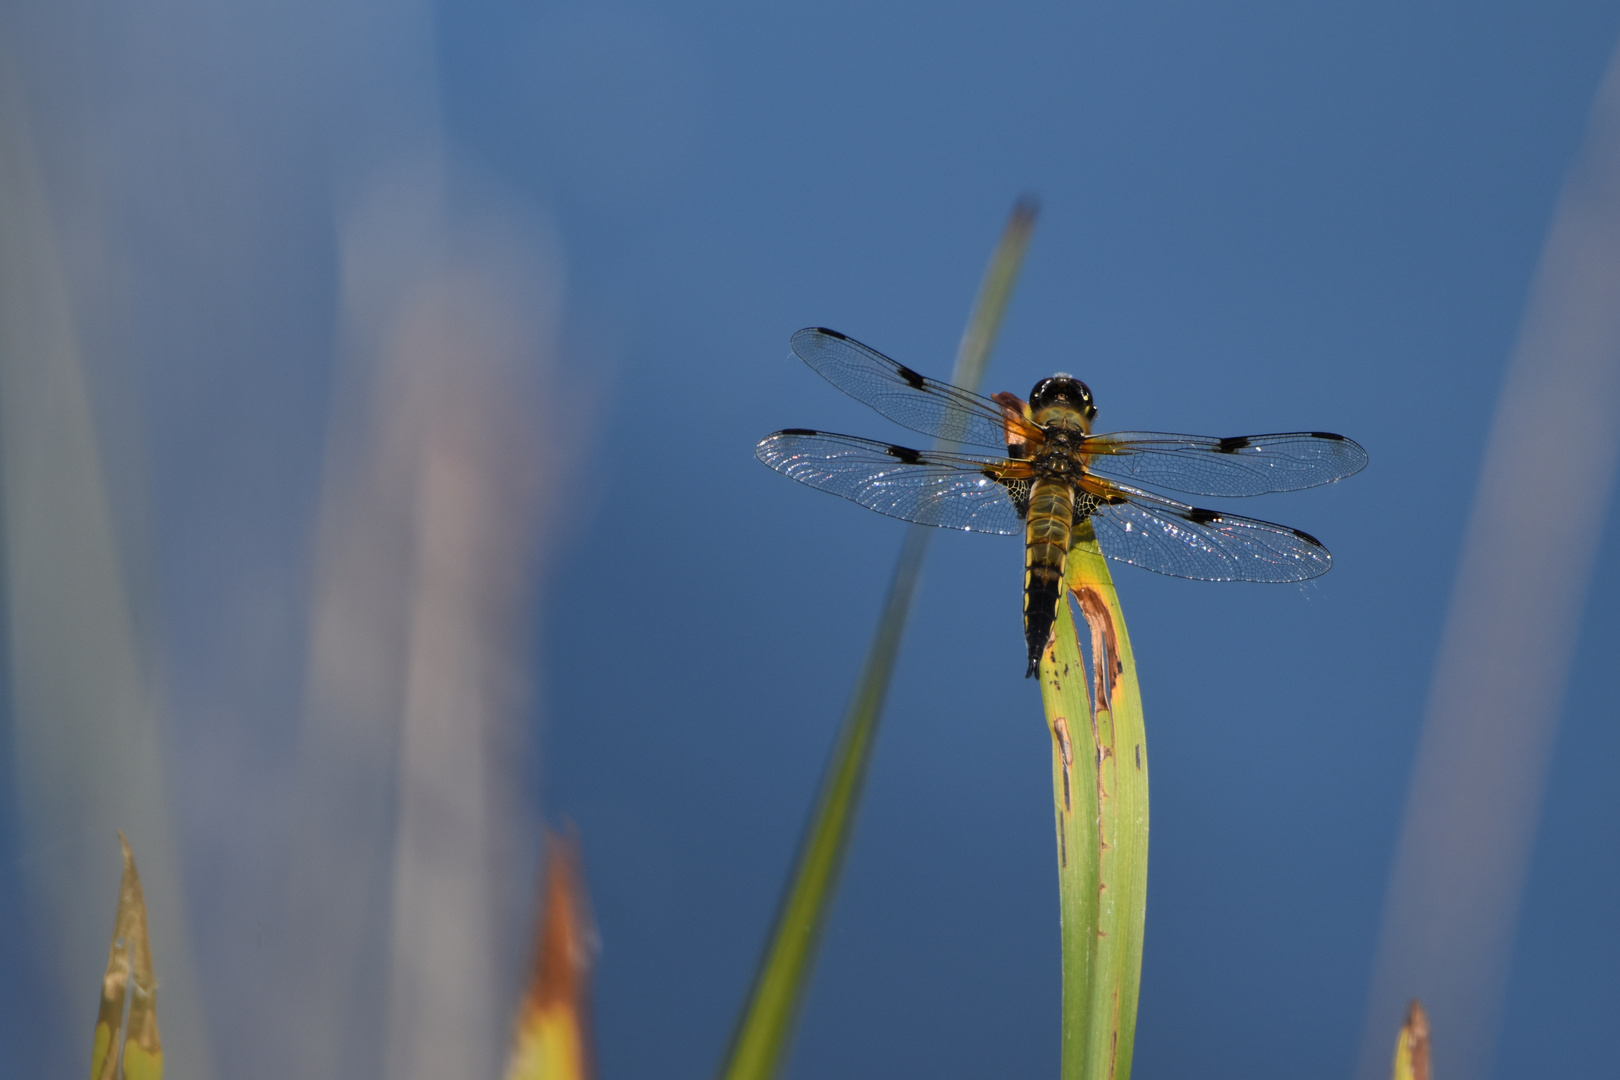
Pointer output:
909, 399
954, 491
1183, 541
1241, 465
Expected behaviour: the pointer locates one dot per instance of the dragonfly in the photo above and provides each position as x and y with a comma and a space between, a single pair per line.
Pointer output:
1050, 475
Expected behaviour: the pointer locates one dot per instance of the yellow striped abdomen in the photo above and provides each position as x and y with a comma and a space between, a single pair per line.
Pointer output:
1048, 529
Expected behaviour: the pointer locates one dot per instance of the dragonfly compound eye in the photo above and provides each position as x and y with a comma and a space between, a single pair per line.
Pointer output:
1061, 389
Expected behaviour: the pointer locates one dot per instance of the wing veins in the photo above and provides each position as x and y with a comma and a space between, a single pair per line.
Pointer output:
948, 490
1237, 466
1168, 537
910, 399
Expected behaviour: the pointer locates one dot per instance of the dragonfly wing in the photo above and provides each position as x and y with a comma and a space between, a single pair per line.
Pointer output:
1172, 538
1241, 465
909, 399
953, 491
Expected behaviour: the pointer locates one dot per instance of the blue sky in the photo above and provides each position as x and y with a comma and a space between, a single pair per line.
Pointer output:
1255, 217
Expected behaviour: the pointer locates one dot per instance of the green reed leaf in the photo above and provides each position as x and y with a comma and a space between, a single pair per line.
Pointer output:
1100, 799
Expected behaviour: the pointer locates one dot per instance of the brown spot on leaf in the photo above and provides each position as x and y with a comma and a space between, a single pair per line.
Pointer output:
1060, 729
1104, 644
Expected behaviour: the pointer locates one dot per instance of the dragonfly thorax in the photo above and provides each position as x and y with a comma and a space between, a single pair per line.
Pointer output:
1058, 456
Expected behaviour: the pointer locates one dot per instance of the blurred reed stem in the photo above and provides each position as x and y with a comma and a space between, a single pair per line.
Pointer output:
765, 1029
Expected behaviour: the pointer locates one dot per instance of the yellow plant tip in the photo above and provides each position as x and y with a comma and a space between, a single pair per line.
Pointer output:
551, 1039
1412, 1045
103, 1062
129, 975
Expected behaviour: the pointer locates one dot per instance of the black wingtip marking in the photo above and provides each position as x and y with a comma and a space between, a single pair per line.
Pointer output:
911, 377
798, 431
905, 453
831, 333
1328, 435
1202, 517
1308, 538
1232, 444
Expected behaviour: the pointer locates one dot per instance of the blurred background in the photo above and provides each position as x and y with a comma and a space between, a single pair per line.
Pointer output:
378, 386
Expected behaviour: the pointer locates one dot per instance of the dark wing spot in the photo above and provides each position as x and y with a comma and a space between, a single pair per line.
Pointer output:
1019, 491
1232, 444
831, 333
905, 454
1201, 517
1085, 504
911, 377
798, 431
1328, 435
1307, 537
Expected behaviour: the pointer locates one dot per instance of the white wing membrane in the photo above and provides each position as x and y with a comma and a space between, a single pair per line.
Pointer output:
1173, 538
952, 491
1241, 465
970, 492
909, 399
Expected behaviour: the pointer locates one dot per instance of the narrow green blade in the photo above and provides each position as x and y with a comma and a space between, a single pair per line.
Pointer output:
765, 1029
1100, 799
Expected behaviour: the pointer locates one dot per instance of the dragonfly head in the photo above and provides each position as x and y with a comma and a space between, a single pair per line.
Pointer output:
1065, 393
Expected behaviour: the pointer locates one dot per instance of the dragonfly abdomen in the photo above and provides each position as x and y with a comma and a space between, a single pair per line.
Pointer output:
1046, 551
